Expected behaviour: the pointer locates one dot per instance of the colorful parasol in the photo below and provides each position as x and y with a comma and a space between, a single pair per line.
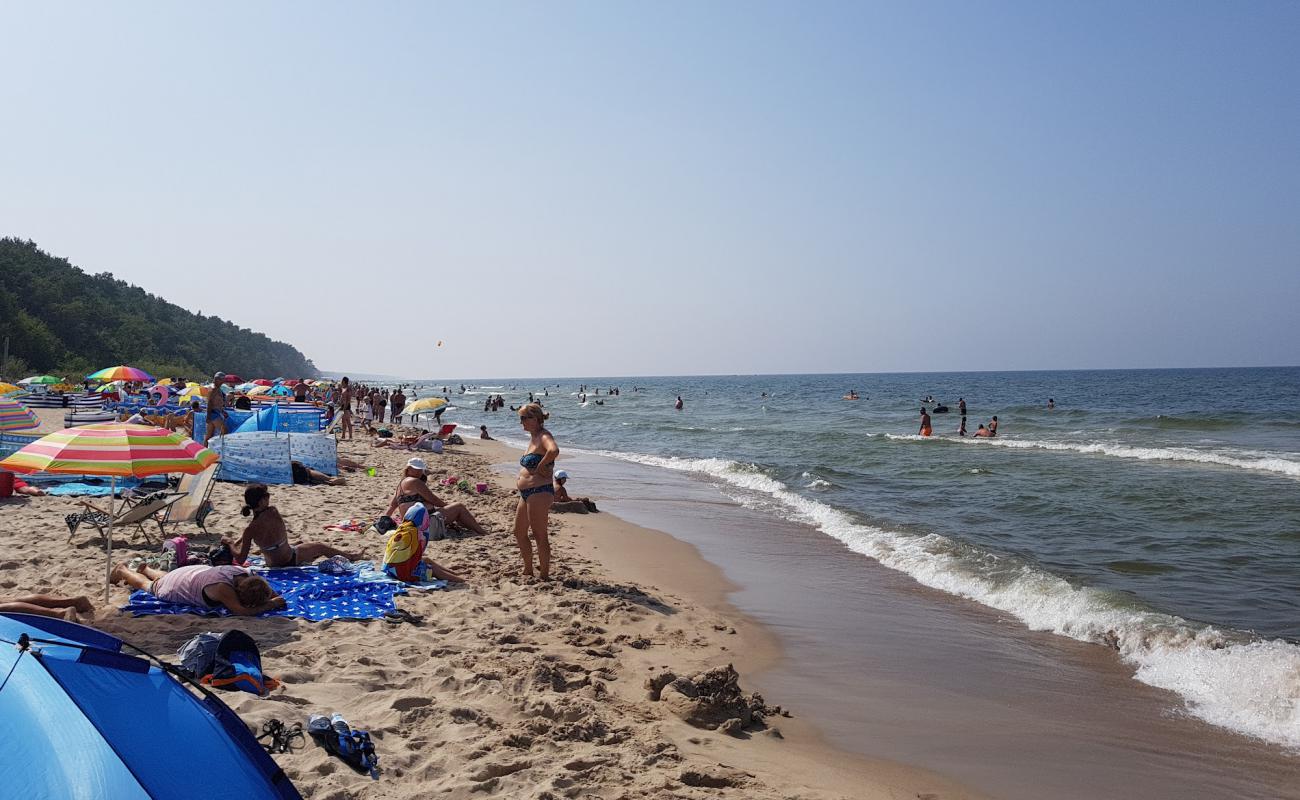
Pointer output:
120, 373
258, 390
428, 405
116, 449
14, 416
9, 388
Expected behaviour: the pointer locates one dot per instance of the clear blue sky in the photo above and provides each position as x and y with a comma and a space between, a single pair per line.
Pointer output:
671, 188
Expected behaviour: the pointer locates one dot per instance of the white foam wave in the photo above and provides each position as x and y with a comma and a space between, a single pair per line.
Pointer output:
1226, 679
1240, 459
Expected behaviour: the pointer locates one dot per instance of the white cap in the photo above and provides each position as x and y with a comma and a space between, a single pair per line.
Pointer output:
561, 475
417, 463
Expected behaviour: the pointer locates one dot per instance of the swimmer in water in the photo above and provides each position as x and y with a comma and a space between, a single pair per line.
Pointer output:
925, 422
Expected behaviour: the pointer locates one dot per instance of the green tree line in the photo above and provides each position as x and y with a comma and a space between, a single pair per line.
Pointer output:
63, 321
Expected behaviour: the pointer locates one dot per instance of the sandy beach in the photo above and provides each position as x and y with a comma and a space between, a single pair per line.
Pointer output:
508, 688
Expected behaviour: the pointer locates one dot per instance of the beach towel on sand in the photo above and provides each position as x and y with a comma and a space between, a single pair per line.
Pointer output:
307, 593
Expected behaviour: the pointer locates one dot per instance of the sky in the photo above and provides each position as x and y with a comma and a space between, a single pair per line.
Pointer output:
590, 189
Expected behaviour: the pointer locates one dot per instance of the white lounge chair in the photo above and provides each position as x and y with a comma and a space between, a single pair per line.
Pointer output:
132, 512
195, 504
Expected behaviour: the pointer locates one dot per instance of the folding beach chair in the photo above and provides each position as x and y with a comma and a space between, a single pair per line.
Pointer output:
132, 512
195, 503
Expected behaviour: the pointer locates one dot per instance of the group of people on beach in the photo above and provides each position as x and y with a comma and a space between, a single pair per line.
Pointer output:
243, 593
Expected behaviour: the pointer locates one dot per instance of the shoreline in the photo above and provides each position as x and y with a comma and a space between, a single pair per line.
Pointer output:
508, 688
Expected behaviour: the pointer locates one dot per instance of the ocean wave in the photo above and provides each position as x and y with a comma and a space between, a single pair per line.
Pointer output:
1226, 678
1243, 459
1239, 459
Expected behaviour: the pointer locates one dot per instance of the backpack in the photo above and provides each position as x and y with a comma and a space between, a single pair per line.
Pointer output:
403, 556
229, 660
178, 549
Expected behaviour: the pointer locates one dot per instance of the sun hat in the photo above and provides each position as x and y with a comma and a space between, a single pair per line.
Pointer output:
417, 463
561, 475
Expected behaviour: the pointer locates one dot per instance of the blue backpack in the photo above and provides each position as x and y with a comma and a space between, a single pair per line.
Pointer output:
229, 660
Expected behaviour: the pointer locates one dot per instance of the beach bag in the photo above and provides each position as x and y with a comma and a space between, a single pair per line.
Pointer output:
229, 660
403, 556
177, 549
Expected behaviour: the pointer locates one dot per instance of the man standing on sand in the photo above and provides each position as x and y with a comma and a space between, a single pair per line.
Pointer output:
345, 406
216, 408
395, 405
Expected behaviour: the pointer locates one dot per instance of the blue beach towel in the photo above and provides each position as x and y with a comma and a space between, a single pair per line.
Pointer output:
308, 594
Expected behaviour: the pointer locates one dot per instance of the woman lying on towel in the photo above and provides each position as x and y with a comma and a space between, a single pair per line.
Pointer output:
207, 587
414, 488
272, 537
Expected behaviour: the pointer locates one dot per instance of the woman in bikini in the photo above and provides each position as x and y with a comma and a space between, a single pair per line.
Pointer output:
268, 531
414, 488
536, 490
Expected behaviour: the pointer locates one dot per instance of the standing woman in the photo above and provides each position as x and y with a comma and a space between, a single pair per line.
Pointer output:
536, 489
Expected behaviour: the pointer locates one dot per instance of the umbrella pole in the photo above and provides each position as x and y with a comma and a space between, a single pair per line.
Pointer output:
112, 498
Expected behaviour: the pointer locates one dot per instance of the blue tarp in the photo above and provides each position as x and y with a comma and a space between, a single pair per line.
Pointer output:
80, 718
293, 418
268, 419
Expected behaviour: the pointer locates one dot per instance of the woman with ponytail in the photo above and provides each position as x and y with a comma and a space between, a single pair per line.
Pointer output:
268, 531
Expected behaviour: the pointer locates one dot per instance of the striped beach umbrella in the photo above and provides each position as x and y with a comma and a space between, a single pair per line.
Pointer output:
120, 373
14, 416
115, 449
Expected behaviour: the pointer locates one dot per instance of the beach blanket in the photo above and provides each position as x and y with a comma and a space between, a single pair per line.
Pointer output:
307, 593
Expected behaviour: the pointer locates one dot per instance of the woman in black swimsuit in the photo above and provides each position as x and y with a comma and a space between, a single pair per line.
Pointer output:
414, 488
268, 531
536, 490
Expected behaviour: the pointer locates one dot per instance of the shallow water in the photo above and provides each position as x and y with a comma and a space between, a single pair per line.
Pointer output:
1151, 512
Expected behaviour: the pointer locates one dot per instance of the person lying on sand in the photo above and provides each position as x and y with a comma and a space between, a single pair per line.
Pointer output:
306, 476
48, 605
235, 588
26, 489
414, 488
272, 537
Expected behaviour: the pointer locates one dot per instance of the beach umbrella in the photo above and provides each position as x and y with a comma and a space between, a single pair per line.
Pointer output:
44, 379
9, 388
192, 391
244, 387
120, 373
14, 416
233, 378
280, 390
262, 382
115, 449
258, 390
166, 382
428, 405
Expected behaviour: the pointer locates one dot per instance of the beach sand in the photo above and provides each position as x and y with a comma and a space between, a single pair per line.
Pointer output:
509, 688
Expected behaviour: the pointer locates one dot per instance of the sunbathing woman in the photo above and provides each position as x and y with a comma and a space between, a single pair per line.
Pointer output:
272, 537
207, 587
536, 490
414, 488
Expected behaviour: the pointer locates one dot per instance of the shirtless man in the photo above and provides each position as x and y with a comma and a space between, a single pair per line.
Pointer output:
983, 433
993, 427
345, 407
216, 408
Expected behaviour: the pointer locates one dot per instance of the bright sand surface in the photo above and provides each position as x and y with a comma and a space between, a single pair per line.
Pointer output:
509, 688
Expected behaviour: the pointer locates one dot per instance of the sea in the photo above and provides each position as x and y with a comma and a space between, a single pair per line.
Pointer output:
1109, 589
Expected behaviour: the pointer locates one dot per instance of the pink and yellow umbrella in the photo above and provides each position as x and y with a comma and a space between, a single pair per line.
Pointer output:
116, 449
14, 416
120, 373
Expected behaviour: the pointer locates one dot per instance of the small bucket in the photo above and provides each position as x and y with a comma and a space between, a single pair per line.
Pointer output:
6, 484
480, 487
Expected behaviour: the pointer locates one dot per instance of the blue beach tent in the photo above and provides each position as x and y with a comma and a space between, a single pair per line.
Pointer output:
82, 719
